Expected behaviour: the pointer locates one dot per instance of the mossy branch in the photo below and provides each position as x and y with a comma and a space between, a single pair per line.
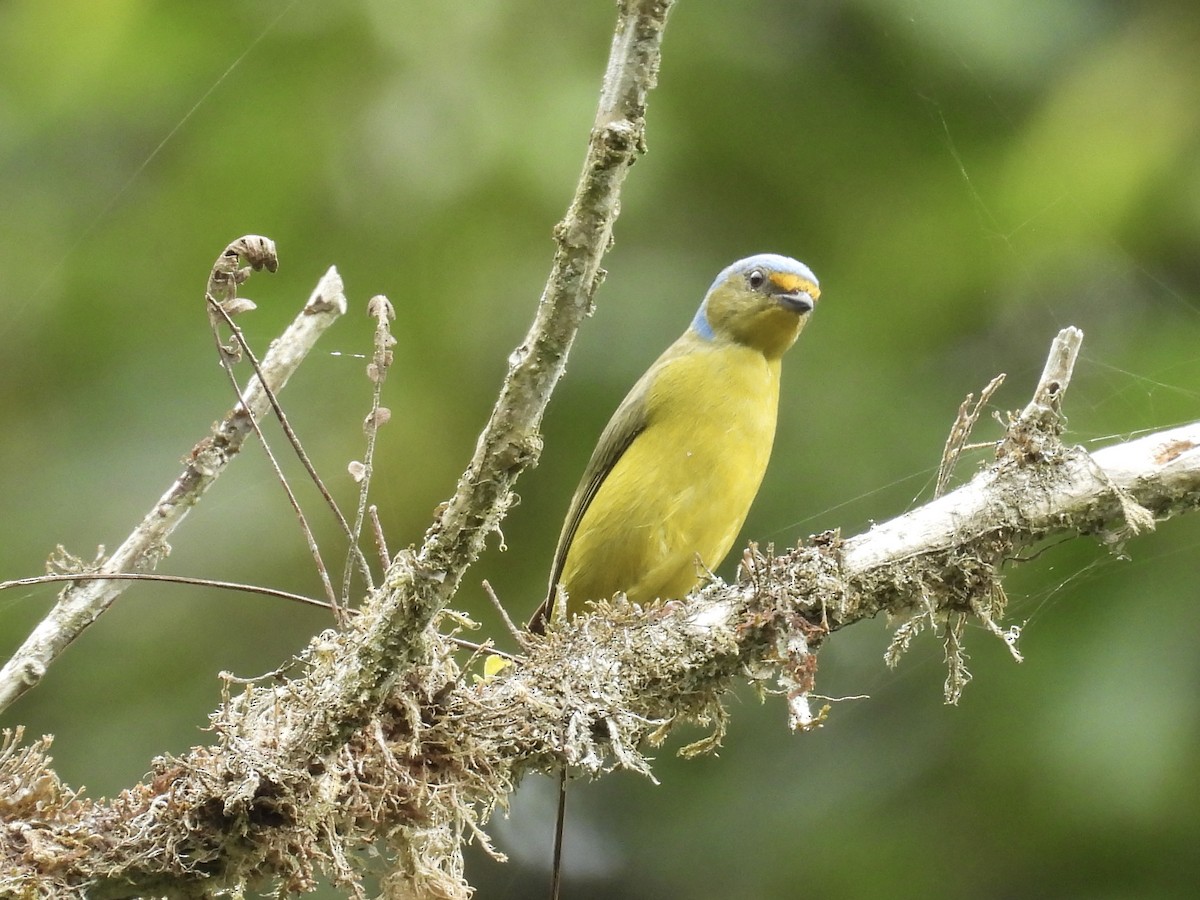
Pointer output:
383, 740
425, 771
276, 744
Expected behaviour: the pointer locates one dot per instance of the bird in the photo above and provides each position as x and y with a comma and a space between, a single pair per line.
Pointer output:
672, 478
674, 473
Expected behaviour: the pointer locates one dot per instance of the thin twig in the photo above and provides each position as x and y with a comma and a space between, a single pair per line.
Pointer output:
223, 304
167, 579
227, 367
960, 433
516, 632
81, 604
381, 360
381, 546
486, 647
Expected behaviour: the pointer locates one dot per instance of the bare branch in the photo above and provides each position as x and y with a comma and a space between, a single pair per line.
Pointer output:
83, 602
381, 360
230, 354
166, 579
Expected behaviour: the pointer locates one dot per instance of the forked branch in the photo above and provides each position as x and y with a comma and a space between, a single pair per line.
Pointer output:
82, 602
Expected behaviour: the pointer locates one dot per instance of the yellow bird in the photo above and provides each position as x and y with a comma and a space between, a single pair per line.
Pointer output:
675, 471
671, 480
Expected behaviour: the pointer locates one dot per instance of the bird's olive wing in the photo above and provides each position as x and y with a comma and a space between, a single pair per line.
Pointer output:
626, 424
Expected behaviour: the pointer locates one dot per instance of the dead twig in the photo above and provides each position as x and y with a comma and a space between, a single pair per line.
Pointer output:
82, 603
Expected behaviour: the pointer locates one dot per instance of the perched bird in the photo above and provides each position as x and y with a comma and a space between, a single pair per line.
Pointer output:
671, 480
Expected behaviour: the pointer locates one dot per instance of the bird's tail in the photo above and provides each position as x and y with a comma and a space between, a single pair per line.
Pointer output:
556, 865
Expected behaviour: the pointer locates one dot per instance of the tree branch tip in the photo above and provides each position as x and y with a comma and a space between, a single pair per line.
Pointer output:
328, 295
1070, 335
1060, 364
1036, 431
381, 308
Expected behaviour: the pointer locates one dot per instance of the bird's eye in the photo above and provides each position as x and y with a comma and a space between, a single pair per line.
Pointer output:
756, 278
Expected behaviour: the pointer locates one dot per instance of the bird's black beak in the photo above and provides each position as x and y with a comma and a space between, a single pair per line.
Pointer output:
797, 301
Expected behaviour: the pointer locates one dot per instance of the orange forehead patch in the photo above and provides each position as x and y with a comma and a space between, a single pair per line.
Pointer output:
788, 282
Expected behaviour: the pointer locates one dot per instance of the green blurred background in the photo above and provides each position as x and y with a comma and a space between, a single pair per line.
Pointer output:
964, 177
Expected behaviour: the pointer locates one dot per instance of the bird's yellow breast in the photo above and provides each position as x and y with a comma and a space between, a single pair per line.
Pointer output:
685, 484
